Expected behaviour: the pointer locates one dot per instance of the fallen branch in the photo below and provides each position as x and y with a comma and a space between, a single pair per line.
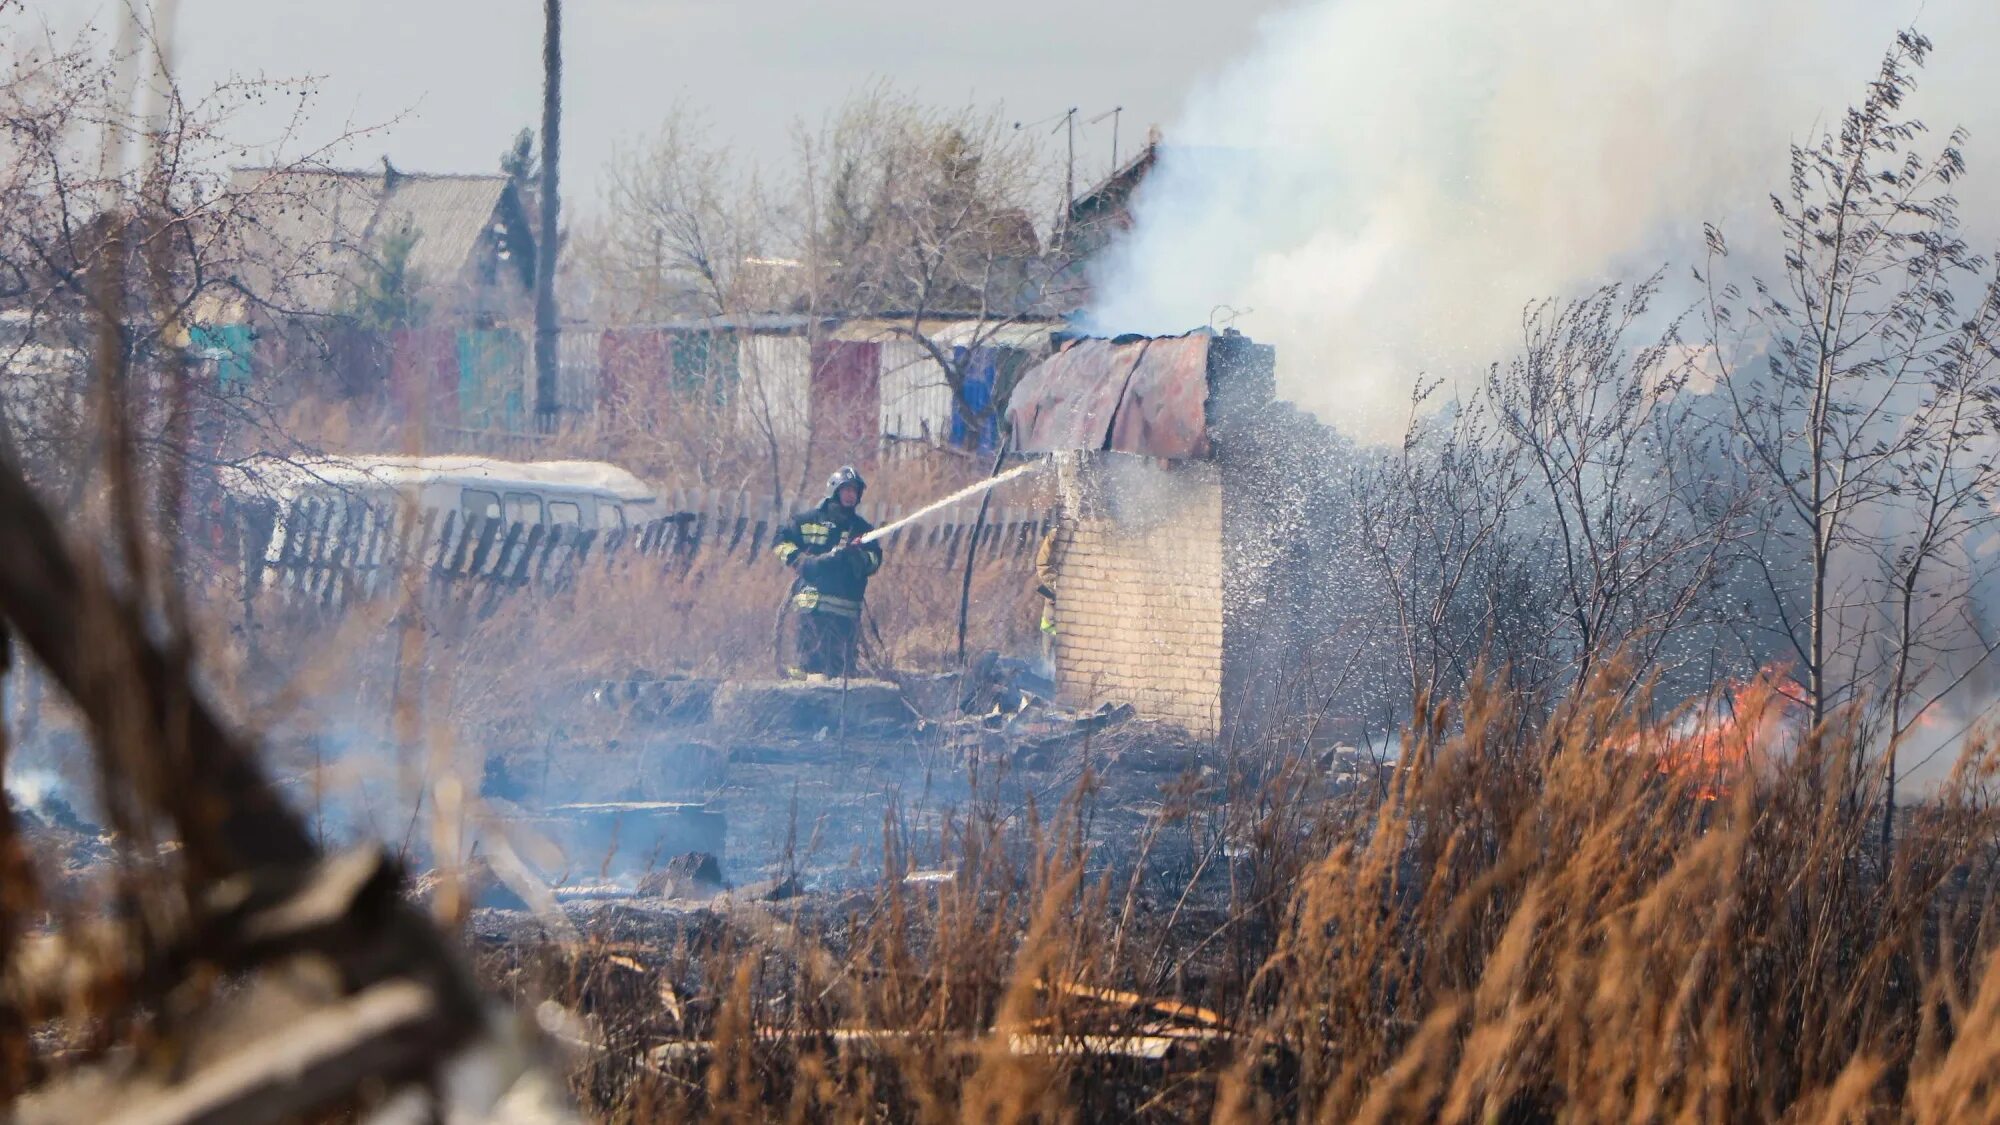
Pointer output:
387, 1033
262, 893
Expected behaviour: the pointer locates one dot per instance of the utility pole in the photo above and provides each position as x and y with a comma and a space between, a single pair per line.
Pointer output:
545, 256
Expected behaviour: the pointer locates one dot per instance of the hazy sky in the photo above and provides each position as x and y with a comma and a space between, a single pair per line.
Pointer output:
465, 74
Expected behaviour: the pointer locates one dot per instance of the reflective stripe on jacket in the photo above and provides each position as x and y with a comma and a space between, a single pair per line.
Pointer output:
815, 601
839, 586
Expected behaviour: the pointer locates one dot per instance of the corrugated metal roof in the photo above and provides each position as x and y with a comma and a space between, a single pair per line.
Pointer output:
1026, 335
877, 330
1066, 402
1144, 395
778, 323
1164, 412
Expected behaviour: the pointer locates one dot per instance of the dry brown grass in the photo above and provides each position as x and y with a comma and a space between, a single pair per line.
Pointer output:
497, 666
1535, 924
719, 619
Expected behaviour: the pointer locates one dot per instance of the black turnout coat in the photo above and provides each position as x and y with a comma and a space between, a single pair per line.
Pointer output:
831, 580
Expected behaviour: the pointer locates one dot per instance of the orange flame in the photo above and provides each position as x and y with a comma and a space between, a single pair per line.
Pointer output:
1718, 742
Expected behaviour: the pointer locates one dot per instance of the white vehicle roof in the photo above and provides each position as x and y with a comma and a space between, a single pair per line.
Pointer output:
282, 479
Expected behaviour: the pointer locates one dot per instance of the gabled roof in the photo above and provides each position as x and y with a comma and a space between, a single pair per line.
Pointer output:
451, 212
313, 225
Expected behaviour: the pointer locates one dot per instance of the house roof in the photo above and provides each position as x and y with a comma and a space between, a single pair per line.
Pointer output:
774, 323
1137, 394
311, 226
451, 212
1025, 335
953, 331
1158, 396
1114, 190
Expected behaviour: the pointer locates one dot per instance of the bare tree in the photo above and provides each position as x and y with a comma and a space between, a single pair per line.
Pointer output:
102, 254
925, 215
1637, 523
684, 228
687, 236
1871, 390
1437, 518
1927, 556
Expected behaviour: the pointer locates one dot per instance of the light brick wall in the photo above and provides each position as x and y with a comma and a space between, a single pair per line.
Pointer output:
1139, 592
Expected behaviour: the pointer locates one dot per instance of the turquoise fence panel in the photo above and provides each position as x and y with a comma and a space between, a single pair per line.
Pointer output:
228, 346
492, 366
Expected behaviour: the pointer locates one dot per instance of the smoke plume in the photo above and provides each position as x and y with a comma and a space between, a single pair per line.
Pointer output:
1384, 184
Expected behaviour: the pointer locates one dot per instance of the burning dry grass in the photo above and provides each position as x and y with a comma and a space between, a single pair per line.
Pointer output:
1536, 924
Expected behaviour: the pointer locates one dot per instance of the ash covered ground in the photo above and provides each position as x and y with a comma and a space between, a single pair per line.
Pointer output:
827, 789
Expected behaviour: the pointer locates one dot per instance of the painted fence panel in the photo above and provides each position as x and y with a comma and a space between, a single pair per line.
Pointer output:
916, 400
777, 386
576, 371
334, 555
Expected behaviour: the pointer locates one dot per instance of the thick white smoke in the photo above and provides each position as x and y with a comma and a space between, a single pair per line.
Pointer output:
1385, 183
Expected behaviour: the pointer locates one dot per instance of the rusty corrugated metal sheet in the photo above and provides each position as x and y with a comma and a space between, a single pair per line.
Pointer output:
1067, 401
1164, 409
1145, 396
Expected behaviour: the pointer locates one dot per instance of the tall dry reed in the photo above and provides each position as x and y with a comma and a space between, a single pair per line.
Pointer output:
1532, 922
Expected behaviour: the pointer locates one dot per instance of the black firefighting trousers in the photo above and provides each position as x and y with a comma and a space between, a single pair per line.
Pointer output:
826, 643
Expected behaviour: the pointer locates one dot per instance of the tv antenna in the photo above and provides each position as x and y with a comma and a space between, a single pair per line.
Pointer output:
1112, 113
1225, 315
1069, 173
1064, 120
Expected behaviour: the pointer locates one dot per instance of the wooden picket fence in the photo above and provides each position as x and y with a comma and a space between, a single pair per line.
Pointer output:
334, 555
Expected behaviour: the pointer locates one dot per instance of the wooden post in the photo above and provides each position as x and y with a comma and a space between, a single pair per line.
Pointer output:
545, 249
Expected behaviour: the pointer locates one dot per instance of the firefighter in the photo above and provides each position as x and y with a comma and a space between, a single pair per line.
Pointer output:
823, 544
1047, 564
